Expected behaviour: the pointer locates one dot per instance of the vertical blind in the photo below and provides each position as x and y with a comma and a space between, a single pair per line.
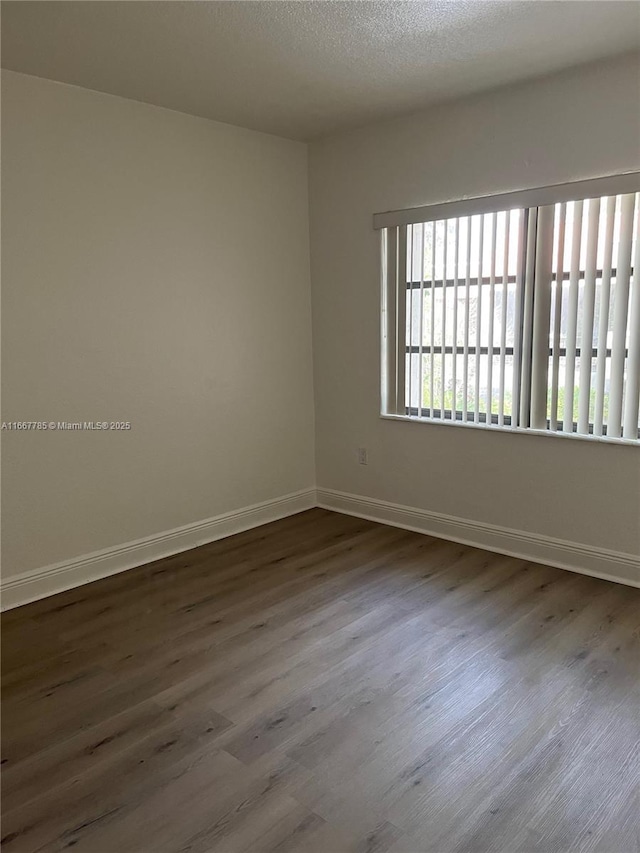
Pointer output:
519, 316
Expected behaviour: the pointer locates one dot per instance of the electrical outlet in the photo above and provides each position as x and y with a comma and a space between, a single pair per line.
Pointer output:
362, 455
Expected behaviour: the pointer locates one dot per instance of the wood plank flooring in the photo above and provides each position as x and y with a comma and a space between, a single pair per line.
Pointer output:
324, 684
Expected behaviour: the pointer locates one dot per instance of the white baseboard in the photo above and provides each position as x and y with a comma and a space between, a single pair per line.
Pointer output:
58, 577
585, 559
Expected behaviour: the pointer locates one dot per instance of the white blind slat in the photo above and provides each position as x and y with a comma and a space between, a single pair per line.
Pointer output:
389, 266
479, 320
454, 337
503, 317
467, 293
492, 308
401, 315
588, 310
620, 312
421, 343
603, 322
572, 317
443, 358
432, 340
409, 308
519, 295
557, 316
632, 391
527, 319
541, 317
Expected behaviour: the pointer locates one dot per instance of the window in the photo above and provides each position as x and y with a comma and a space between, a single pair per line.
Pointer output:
519, 311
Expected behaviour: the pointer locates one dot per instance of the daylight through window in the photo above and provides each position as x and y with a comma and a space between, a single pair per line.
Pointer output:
525, 317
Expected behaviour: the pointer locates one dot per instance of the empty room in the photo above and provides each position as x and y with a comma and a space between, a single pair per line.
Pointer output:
320, 426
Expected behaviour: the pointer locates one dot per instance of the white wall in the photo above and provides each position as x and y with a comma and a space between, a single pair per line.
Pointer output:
580, 124
155, 270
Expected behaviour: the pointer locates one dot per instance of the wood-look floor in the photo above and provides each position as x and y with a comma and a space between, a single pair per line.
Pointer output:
324, 684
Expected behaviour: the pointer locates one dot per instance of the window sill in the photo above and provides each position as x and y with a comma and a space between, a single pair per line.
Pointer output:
509, 429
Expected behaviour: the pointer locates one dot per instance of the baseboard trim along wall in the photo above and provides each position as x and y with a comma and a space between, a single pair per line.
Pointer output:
49, 580
587, 560
584, 559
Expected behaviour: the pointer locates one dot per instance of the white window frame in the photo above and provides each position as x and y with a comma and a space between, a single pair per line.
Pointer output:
393, 228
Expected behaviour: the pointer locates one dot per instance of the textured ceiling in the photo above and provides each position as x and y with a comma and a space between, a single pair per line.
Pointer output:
303, 69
